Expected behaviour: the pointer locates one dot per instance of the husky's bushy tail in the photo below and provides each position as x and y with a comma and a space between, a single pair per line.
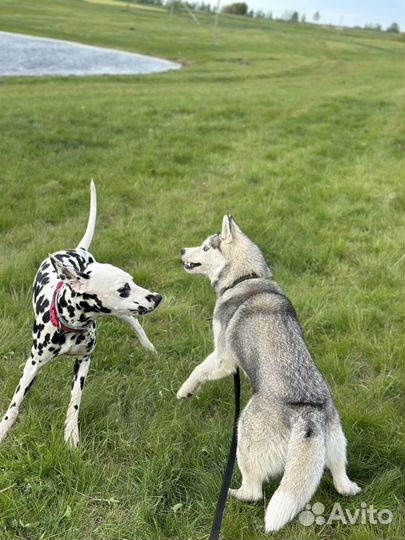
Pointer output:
303, 471
91, 224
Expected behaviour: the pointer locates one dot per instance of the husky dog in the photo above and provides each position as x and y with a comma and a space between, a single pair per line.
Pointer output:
290, 424
70, 292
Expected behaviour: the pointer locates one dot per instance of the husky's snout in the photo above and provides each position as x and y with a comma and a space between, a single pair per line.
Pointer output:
188, 265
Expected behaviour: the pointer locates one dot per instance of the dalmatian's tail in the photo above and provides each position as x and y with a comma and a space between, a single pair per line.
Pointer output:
91, 224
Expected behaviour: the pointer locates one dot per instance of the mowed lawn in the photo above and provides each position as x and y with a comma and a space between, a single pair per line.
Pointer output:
298, 131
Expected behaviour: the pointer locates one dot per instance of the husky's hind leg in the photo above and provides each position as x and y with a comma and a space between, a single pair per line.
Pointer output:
336, 461
253, 475
262, 447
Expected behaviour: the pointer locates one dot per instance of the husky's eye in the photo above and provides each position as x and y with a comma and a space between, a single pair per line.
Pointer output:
206, 248
124, 291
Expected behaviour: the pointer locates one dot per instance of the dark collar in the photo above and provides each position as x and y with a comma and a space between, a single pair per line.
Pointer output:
237, 281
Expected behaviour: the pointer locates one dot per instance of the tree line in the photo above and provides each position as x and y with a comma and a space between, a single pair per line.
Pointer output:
242, 9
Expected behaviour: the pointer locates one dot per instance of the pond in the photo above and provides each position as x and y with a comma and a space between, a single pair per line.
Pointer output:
22, 55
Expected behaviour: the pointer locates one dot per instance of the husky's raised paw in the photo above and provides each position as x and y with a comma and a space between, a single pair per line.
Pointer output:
246, 495
183, 393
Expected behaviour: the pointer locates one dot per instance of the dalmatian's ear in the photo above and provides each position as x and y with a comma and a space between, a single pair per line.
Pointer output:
68, 273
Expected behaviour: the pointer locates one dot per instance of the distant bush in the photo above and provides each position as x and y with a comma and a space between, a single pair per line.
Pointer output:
150, 2
373, 27
393, 28
237, 8
290, 16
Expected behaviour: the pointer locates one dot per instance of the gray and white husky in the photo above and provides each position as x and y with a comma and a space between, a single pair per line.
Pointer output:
290, 424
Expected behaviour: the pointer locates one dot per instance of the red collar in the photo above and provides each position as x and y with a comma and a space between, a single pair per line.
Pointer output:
56, 318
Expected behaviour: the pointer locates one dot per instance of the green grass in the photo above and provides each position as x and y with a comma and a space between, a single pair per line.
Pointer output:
298, 131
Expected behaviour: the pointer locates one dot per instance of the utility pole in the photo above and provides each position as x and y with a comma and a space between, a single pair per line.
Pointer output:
215, 30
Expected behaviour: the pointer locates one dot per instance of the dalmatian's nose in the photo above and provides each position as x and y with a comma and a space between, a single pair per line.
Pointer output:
155, 298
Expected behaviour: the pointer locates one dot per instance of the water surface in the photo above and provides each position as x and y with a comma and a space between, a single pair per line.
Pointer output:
22, 55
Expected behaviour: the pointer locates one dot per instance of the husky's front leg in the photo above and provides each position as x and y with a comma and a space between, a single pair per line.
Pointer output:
211, 369
143, 338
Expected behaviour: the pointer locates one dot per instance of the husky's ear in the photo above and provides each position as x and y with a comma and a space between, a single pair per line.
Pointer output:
229, 228
68, 274
226, 229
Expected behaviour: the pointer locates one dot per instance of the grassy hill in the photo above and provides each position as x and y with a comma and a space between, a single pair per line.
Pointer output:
298, 131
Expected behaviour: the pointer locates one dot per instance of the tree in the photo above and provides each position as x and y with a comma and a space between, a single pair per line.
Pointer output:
316, 16
393, 28
295, 16
237, 8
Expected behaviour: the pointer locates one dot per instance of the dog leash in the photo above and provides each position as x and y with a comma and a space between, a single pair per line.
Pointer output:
226, 482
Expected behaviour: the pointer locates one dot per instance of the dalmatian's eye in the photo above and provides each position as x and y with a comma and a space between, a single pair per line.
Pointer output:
206, 248
124, 291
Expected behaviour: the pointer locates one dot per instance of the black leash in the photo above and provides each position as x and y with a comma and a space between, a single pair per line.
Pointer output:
226, 482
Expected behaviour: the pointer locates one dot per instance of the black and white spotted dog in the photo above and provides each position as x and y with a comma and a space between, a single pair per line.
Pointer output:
70, 292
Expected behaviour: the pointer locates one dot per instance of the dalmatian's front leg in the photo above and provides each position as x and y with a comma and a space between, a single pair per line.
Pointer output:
32, 366
80, 371
143, 338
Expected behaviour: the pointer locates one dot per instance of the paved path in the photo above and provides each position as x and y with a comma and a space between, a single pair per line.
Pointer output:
22, 55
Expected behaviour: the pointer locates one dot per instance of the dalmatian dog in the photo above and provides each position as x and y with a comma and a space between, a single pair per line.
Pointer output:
70, 292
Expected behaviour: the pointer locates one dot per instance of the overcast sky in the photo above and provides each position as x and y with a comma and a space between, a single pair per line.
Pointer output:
355, 12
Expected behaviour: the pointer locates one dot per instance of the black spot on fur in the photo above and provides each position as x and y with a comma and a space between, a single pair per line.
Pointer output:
33, 362
308, 432
13, 404
76, 369
85, 306
46, 317
6, 418
76, 407
40, 327
81, 382
124, 291
315, 404
74, 259
58, 339
29, 386
41, 304
94, 304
